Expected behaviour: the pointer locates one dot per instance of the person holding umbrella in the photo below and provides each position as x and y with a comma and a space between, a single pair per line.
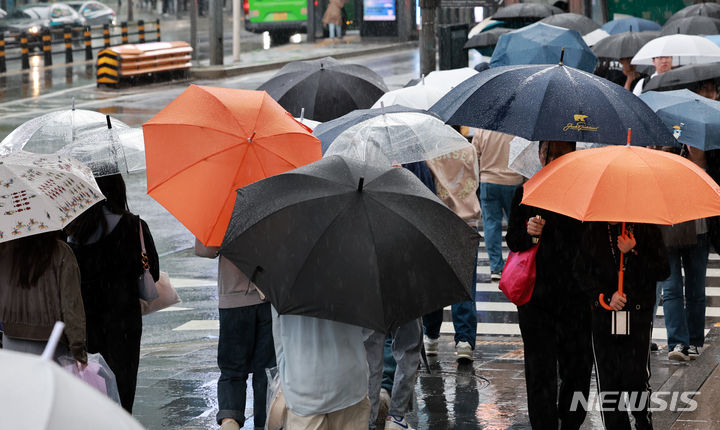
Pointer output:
662, 65
555, 323
622, 357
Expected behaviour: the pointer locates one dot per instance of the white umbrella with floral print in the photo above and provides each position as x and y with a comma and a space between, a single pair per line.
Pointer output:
42, 192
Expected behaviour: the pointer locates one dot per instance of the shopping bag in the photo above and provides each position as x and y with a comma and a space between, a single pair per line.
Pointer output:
276, 407
518, 276
97, 374
167, 296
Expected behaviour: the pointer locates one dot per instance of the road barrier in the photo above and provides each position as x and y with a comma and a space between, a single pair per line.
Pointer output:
154, 59
83, 41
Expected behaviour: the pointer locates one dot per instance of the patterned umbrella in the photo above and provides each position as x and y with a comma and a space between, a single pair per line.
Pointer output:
42, 192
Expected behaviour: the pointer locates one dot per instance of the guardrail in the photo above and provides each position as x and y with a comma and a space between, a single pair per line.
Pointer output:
68, 36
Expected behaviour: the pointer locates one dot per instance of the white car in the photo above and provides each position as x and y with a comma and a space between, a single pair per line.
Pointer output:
94, 12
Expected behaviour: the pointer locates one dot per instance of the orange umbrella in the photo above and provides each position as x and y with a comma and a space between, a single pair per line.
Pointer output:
208, 142
624, 184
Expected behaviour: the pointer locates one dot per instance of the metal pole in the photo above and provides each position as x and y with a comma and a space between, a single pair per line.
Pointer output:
3, 67
106, 35
237, 16
47, 47
88, 44
193, 27
311, 21
216, 32
130, 10
67, 36
427, 35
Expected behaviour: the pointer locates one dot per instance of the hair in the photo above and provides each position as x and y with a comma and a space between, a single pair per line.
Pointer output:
31, 257
85, 225
546, 143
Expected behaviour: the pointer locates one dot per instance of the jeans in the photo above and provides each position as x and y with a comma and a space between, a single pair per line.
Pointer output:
245, 346
494, 200
334, 31
464, 316
685, 313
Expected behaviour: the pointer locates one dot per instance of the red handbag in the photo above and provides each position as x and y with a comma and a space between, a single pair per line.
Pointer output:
518, 276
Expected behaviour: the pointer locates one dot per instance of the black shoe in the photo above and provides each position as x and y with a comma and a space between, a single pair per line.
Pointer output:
653, 346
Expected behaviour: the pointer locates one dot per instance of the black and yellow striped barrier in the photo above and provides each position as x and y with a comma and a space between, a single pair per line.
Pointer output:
108, 67
47, 47
157, 30
67, 36
124, 32
24, 58
106, 36
88, 44
3, 67
141, 31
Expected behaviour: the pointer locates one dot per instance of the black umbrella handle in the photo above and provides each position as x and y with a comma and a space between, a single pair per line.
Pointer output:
562, 55
360, 184
253, 277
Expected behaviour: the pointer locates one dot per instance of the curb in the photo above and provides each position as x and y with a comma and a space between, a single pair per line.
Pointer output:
691, 377
220, 72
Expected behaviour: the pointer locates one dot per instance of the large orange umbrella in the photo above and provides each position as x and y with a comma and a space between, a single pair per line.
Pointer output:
208, 142
624, 184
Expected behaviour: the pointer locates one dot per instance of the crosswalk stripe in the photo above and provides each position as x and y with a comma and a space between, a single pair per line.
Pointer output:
174, 309
710, 311
191, 282
199, 325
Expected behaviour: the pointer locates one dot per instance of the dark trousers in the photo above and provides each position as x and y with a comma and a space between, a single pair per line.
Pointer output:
622, 365
557, 342
245, 346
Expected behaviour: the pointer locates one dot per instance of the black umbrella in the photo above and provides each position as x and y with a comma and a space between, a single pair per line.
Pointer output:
711, 10
541, 102
349, 242
328, 131
526, 12
683, 77
691, 25
623, 45
572, 21
486, 39
325, 88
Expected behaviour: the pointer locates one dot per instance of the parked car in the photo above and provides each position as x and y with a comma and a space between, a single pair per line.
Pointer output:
94, 12
33, 19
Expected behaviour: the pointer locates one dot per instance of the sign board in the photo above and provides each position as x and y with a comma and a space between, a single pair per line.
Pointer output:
379, 10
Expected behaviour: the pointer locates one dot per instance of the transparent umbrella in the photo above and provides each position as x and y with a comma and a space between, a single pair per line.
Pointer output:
523, 157
402, 137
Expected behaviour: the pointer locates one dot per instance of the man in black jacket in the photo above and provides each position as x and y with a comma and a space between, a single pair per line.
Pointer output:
555, 323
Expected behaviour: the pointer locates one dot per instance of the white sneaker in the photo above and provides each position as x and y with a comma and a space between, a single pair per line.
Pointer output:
394, 422
693, 352
431, 346
230, 425
678, 353
463, 350
383, 407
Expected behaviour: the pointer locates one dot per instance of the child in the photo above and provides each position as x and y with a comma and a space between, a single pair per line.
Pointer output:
621, 360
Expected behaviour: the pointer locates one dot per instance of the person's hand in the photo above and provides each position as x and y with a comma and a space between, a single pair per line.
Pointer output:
618, 301
626, 242
80, 365
535, 226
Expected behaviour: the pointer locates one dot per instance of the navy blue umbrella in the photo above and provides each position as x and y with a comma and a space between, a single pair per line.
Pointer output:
552, 103
623, 25
693, 119
541, 43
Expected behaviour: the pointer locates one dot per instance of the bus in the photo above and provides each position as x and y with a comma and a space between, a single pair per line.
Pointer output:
281, 18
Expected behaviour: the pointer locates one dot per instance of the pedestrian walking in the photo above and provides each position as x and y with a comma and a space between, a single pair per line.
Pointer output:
245, 344
39, 285
333, 18
106, 243
555, 322
622, 354
662, 65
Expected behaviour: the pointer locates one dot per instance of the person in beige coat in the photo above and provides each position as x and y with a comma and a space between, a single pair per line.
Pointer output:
333, 18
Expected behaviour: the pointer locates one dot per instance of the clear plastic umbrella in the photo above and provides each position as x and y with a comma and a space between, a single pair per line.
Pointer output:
418, 96
397, 138
107, 145
523, 157
449, 79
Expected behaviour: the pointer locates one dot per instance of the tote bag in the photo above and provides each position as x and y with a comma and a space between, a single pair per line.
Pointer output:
518, 277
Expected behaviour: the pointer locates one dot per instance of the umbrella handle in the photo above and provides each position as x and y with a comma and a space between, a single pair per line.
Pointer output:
602, 302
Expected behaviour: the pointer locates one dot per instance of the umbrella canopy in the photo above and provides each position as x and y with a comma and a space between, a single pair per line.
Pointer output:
42, 192
327, 132
691, 25
624, 183
107, 145
349, 242
208, 142
693, 119
39, 394
418, 96
485, 42
526, 12
542, 44
684, 48
714, 38
552, 103
449, 79
595, 36
484, 25
308, 123
523, 156
683, 77
398, 138
623, 45
624, 25
572, 21
711, 10
325, 88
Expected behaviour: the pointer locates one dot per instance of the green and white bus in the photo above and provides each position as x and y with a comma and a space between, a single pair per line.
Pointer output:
281, 18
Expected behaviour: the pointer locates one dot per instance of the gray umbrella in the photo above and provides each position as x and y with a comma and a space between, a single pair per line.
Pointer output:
702, 9
572, 21
623, 45
526, 12
340, 240
486, 39
691, 25
683, 77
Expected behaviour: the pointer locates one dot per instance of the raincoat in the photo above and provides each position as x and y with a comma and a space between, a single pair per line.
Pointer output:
333, 13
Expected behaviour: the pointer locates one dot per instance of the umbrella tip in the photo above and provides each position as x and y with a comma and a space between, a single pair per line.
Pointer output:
109, 124
628, 136
302, 114
250, 139
422, 79
562, 55
382, 107
360, 184
73, 103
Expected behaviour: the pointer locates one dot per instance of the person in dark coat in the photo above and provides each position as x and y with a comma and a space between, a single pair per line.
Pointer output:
622, 360
106, 243
555, 323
